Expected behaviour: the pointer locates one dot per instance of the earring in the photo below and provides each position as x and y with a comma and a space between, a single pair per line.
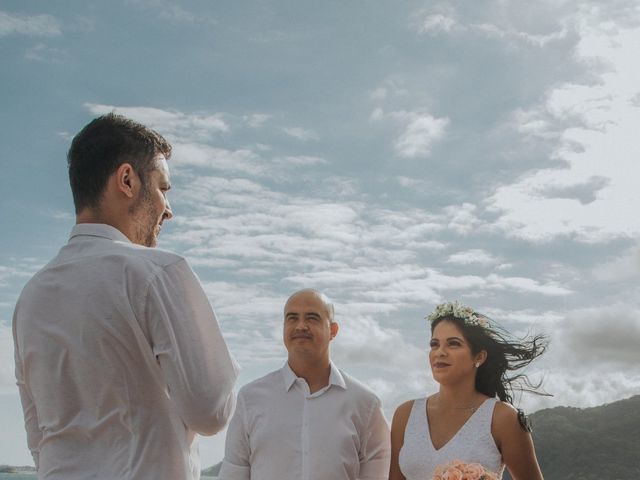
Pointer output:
477, 364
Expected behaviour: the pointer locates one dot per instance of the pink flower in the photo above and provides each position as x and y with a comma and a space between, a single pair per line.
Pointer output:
458, 470
473, 471
453, 474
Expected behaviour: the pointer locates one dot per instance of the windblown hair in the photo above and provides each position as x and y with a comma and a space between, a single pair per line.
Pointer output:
99, 149
504, 354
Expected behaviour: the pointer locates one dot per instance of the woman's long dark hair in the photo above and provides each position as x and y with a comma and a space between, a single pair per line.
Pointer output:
504, 355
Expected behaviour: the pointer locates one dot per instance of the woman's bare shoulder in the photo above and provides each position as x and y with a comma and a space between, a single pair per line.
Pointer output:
403, 410
509, 419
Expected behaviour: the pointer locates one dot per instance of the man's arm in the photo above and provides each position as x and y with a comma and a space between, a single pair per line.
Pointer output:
235, 465
193, 356
34, 435
376, 455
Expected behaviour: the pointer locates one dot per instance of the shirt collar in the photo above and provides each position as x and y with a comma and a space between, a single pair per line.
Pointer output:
98, 230
335, 377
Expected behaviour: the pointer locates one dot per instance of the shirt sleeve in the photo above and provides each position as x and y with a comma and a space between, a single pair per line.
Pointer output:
34, 435
235, 465
376, 451
186, 339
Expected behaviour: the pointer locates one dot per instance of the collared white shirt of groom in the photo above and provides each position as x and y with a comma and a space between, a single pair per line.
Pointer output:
308, 420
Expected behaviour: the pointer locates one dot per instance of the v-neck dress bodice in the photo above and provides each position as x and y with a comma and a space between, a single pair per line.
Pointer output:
473, 443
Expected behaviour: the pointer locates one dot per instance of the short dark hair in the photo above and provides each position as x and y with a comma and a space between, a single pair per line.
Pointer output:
101, 147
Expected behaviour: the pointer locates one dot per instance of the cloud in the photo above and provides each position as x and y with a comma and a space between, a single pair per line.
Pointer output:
593, 357
584, 192
174, 124
473, 256
434, 24
45, 53
24, 268
34, 25
206, 156
621, 268
588, 192
538, 40
496, 20
379, 93
173, 13
421, 132
257, 120
301, 160
300, 133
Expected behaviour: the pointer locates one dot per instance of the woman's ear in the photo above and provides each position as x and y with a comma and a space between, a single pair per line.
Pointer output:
481, 357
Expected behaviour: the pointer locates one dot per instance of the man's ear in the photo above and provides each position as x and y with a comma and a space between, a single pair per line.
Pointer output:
127, 180
334, 329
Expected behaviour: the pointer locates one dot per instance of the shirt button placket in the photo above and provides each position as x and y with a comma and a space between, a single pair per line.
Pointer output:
305, 439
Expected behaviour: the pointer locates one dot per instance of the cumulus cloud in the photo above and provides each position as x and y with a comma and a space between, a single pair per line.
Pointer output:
33, 25
620, 268
593, 357
495, 21
420, 132
473, 256
590, 195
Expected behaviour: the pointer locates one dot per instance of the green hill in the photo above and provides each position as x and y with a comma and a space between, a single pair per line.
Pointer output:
589, 443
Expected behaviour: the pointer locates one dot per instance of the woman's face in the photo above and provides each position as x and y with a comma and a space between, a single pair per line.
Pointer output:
450, 356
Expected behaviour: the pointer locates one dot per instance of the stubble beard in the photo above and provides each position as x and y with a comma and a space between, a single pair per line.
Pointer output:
145, 219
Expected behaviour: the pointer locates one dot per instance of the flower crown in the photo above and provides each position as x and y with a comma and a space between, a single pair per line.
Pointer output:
458, 310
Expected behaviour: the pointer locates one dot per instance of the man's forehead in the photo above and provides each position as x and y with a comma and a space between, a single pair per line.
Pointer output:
161, 163
308, 299
161, 166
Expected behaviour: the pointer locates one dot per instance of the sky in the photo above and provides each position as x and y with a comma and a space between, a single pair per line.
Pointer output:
394, 155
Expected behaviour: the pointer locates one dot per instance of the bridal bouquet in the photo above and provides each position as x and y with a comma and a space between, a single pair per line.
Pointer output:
458, 470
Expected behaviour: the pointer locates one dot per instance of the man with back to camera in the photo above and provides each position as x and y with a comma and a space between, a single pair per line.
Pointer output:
120, 361
307, 420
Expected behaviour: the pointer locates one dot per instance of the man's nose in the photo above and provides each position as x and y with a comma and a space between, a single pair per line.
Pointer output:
168, 213
301, 324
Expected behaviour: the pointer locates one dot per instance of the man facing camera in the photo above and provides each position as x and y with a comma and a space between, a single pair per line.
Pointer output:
308, 420
120, 361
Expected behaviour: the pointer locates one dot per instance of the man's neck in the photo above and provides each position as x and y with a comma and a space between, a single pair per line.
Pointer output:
315, 373
104, 216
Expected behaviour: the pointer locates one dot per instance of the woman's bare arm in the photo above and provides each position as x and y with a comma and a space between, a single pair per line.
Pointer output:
398, 425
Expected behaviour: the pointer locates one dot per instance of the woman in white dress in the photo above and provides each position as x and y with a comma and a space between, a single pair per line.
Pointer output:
464, 421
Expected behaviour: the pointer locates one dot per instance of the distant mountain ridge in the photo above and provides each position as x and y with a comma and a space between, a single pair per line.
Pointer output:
589, 443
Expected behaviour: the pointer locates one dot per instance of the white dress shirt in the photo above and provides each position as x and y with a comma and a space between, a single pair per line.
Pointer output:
281, 431
119, 361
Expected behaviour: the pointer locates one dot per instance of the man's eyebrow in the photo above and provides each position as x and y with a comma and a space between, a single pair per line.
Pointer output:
290, 314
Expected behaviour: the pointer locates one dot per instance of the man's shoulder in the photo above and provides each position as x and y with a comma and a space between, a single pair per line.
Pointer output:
135, 252
267, 383
358, 389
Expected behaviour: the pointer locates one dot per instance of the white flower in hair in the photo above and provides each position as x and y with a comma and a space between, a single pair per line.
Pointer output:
458, 310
